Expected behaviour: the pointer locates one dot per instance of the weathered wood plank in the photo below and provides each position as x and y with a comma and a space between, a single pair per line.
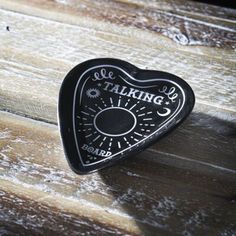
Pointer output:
203, 138
154, 198
29, 57
184, 29
189, 7
29, 212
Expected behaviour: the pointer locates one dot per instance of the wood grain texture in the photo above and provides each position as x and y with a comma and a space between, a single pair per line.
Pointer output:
31, 53
189, 7
185, 184
186, 29
27, 212
154, 198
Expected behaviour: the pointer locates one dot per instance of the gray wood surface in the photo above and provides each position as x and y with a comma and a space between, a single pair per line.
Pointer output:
141, 196
185, 184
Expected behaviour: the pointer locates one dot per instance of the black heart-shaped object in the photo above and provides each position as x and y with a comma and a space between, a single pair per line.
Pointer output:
109, 109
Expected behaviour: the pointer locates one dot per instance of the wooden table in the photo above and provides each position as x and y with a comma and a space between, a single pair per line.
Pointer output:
183, 185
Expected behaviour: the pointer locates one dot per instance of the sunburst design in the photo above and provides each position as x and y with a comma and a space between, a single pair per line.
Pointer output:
145, 122
93, 93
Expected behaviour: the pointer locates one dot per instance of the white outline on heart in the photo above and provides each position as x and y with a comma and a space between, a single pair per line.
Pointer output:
142, 81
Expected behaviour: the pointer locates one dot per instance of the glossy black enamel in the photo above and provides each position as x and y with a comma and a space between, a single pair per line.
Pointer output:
109, 109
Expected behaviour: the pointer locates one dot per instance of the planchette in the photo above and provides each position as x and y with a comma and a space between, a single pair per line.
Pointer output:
109, 109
